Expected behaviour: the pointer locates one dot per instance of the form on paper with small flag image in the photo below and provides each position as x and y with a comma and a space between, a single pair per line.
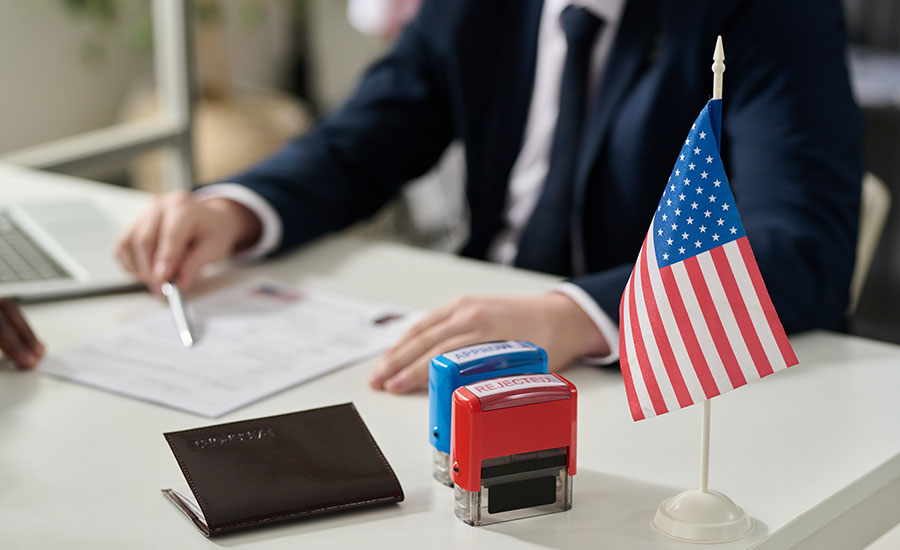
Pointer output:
696, 319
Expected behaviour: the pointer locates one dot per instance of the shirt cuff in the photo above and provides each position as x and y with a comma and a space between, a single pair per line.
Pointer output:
269, 219
605, 325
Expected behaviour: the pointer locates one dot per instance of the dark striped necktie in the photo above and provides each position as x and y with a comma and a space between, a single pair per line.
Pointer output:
546, 243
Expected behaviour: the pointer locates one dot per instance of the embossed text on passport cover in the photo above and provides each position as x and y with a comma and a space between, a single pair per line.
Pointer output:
279, 468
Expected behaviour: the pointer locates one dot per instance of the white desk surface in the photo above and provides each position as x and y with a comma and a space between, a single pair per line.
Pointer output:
813, 453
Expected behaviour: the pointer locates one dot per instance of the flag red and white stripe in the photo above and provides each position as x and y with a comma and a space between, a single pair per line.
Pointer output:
694, 329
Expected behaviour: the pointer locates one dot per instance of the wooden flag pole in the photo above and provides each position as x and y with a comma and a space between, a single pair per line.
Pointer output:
718, 68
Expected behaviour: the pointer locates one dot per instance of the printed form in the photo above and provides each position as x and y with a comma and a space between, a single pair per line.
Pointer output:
253, 340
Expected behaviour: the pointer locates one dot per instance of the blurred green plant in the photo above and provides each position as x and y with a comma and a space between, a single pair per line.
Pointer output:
131, 16
104, 10
136, 21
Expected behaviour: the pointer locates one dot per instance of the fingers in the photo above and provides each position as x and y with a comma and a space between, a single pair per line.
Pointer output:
387, 367
434, 326
432, 317
136, 248
175, 232
204, 251
123, 255
10, 311
179, 234
143, 245
16, 338
409, 349
154, 246
12, 345
414, 376
404, 367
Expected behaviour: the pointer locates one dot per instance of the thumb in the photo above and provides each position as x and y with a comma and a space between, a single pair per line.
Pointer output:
201, 253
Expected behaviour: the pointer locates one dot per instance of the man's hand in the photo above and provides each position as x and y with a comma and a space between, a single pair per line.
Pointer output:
179, 234
552, 321
16, 339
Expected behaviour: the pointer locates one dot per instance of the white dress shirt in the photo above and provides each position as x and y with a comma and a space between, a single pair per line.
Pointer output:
526, 179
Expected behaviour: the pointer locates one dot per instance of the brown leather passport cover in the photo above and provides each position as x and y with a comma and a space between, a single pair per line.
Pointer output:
268, 470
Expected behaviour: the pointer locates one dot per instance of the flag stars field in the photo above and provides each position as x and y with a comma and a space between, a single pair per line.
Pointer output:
675, 199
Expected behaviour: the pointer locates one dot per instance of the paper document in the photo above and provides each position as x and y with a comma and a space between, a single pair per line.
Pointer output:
187, 498
252, 340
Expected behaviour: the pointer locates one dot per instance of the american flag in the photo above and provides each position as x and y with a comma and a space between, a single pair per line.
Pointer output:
696, 319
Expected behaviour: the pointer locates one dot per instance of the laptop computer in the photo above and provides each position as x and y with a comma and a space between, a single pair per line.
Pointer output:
58, 249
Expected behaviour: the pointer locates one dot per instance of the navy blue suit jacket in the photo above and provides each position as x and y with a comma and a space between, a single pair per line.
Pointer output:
464, 70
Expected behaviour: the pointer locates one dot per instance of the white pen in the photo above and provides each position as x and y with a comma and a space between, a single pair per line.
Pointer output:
176, 304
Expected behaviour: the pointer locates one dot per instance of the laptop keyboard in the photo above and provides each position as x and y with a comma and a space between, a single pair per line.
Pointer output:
21, 259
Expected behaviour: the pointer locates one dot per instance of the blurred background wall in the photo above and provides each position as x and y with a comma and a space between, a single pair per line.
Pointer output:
69, 65
62, 74
874, 28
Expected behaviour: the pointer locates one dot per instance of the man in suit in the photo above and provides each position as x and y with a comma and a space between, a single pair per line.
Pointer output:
572, 114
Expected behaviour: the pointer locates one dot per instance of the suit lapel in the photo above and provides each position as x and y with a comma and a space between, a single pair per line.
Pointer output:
512, 81
629, 55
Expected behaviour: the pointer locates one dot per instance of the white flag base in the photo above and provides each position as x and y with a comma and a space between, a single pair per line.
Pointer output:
702, 516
